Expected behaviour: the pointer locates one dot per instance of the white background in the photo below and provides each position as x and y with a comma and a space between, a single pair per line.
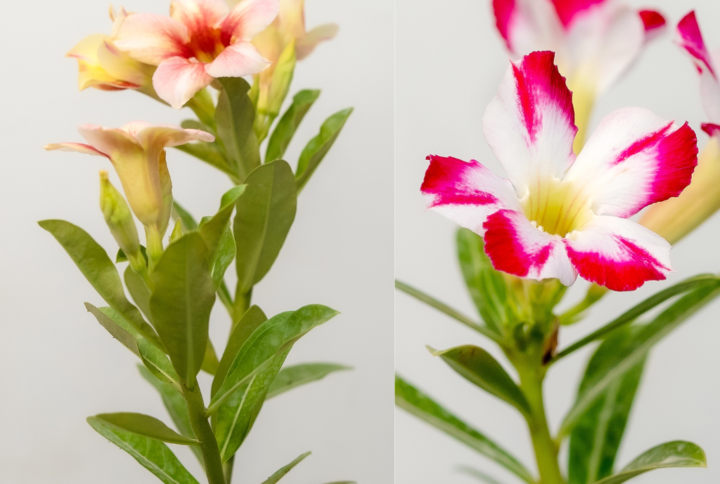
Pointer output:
59, 366
449, 62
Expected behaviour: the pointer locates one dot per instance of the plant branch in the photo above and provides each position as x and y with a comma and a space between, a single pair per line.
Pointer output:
204, 433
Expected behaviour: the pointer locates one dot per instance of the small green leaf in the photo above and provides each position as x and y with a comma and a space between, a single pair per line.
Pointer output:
212, 230
138, 291
224, 256
486, 285
175, 406
422, 406
253, 370
210, 153
117, 332
319, 146
597, 436
650, 334
282, 472
264, 216
664, 456
210, 360
298, 375
98, 269
150, 453
288, 124
189, 223
479, 367
235, 116
181, 302
241, 331
144, 425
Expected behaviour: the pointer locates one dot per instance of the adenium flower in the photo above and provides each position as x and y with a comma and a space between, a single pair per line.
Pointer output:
137, 152
558, 215
102, 66
200, 41
674, 219
595, 40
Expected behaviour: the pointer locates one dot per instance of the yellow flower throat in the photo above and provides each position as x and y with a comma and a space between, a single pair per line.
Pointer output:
557, 207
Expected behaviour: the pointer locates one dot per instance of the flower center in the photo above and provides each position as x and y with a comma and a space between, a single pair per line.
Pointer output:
557, 207
206, 44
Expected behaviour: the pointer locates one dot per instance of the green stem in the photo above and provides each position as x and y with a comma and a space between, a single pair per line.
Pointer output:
546, 450
154, 245
204, 433
575, 313
228, 468
225, 298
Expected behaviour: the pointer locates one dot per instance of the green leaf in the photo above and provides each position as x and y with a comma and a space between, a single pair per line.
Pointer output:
647, 337
264, 216
235, 115
318, 147
596, 438
210, 153
486, 285
189, 223
298, 375
479, 367
282, 472
210, 360
212, 230
144, 425
422, 406
664, 456
175, 406
138, 291
181, 302
250, 321
98, 269
223, 257
152, 357
288, 124
704, 280
150, 453
253, 370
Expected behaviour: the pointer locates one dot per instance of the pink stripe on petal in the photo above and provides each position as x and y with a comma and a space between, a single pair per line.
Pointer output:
151, 38
238, 60
199, 16
568, 9
504, 10
177, 80
530, 124
465, 192
654, 23
645, 143
619, 254
690, 38
516, 247
711, 129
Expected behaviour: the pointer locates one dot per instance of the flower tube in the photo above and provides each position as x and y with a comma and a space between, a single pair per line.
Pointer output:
596, 41
200, 41
559, 215
137, 151
674, 219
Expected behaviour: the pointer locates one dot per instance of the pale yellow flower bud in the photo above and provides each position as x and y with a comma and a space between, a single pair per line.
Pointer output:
120, 221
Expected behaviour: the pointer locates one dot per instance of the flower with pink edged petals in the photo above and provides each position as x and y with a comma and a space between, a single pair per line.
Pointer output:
595, 41
200, 41
137, 151
558, 215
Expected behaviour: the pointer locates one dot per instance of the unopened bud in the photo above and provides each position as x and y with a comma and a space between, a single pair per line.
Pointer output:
120, 220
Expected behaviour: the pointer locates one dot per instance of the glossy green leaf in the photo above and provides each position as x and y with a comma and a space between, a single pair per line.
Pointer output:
188, 220
181, 302
646, 338
664, 456
479, 367
138, 291
212, 230
250, 321
98, 269
223, 257
486, 285
253, 370
319, 146
282, 472
144, 425
152, 357
288, 124
697, 282
152, 454
235, 115
264, 216
422, 406
211, 154
597, 436
118, 332
302, 374
175, 406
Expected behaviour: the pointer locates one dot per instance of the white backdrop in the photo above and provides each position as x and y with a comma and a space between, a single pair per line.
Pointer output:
449, 62
60, 366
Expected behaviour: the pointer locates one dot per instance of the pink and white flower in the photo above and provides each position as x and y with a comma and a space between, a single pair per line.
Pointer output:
137, 151
200, 41
595, 41
558, 215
